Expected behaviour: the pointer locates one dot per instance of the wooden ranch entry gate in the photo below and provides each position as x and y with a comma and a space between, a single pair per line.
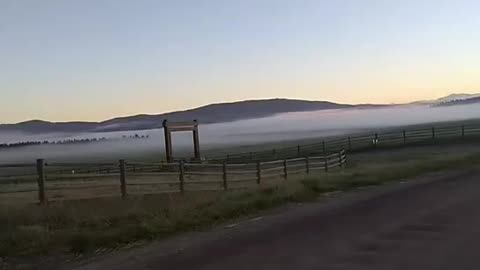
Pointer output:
169, 127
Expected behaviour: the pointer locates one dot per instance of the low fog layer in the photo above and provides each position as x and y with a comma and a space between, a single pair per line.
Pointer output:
277, 128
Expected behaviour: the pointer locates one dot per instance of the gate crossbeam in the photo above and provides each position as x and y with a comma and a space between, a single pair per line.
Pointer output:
169, 127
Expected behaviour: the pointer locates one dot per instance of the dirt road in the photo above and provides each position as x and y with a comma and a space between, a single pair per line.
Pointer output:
432, 223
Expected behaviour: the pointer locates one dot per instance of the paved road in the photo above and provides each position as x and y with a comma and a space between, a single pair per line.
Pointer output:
432, 225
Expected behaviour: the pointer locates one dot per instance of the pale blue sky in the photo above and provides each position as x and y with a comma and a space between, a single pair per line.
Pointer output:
92, 60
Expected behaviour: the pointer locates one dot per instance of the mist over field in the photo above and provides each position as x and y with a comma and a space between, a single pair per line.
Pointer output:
271, 129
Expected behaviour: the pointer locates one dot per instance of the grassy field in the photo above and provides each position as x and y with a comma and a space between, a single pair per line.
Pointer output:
72, 227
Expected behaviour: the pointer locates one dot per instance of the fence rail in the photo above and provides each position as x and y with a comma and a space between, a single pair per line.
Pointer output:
43, 181
60, 181
360, 142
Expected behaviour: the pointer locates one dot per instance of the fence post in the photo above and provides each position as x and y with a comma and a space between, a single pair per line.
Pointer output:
433, 133
259, 172
340, 154
41, 181
463, 131
404, 137
298, 150
307, 164
285, 169
349, 143
225, 184
123, 178
181, 175
326, 163
324, 147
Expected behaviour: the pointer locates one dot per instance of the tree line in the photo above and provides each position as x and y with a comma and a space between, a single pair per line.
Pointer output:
69, 141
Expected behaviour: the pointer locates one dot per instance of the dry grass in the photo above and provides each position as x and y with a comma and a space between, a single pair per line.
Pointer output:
84, 225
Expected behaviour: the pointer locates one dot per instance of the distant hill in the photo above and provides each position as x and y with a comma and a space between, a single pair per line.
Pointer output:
447, 99
455, 102
214, 113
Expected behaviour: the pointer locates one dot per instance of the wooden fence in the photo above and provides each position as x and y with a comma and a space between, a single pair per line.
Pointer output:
360, 142
43, 181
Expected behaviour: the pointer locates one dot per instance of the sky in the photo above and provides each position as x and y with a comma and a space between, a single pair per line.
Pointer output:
93, 60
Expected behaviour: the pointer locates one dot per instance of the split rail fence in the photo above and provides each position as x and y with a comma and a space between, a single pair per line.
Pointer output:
43, 181
362, 142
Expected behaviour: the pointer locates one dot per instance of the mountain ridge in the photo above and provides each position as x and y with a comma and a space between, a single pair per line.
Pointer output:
207, 114
213, 113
